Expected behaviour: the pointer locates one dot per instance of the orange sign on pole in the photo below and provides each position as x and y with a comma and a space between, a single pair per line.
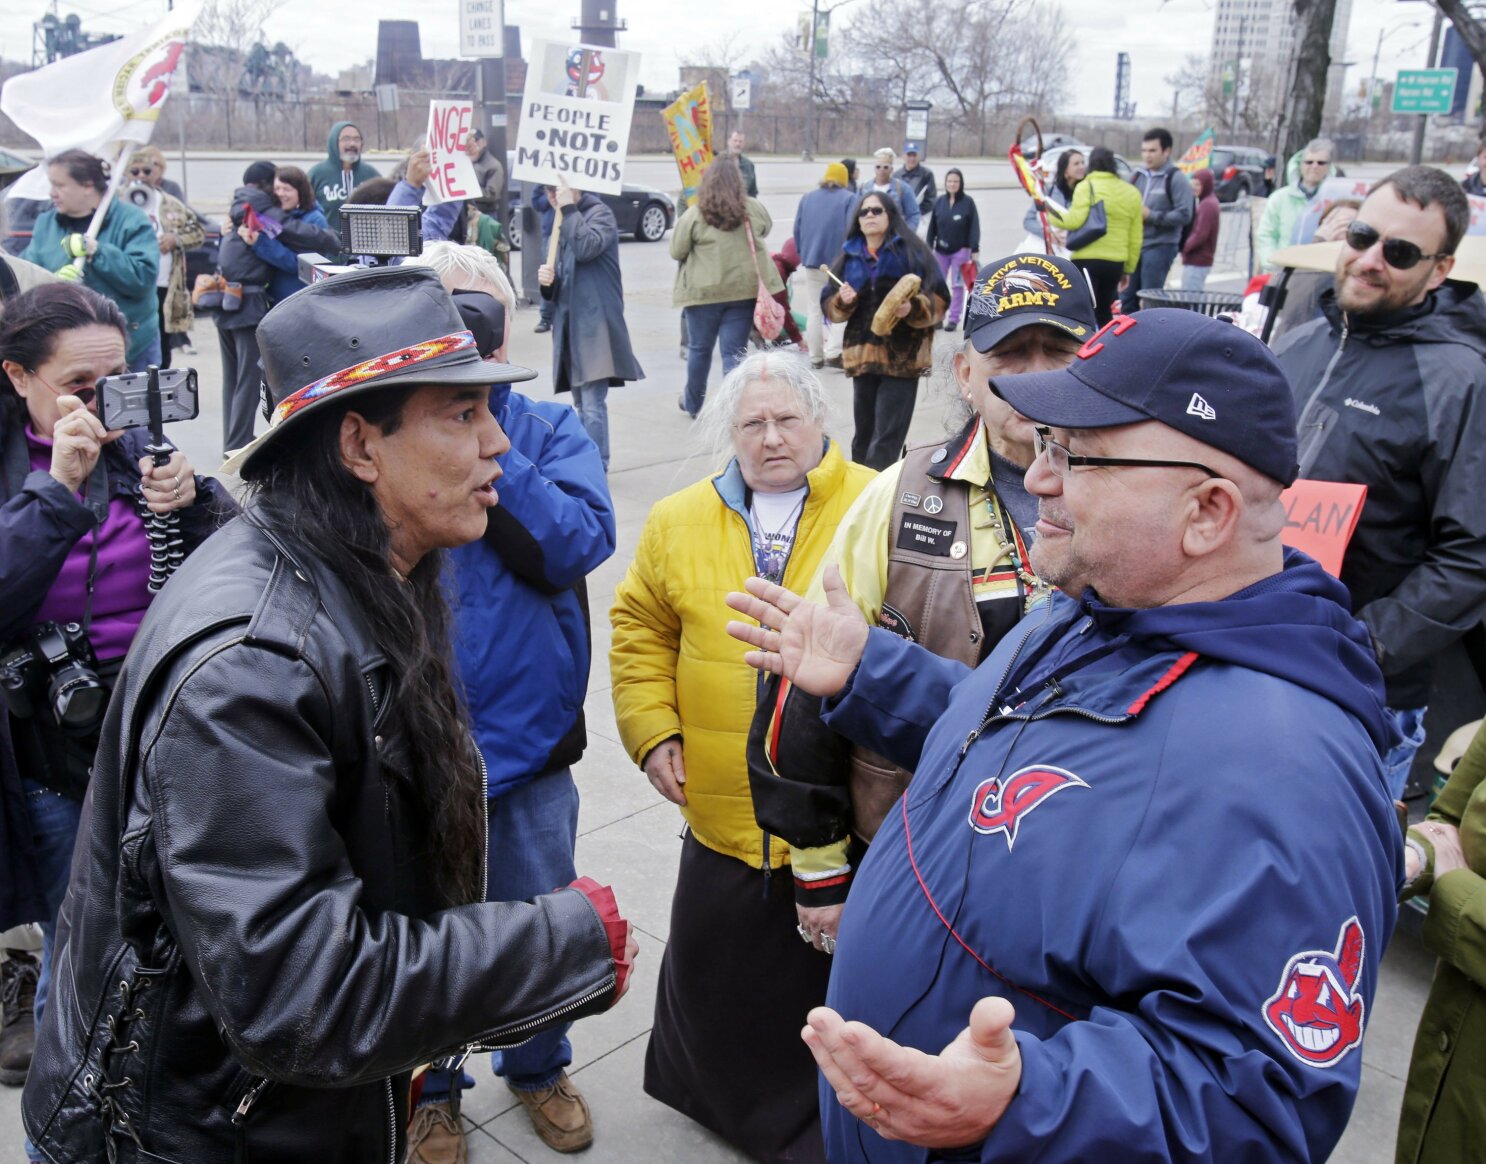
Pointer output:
1320, 518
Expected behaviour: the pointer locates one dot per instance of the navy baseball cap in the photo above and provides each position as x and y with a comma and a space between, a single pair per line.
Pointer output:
1020, 290
911, 147
1201, 376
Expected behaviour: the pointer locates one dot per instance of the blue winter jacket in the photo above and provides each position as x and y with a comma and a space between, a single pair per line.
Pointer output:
821, 221
284, 281
1163, 835
521, 612
438, 219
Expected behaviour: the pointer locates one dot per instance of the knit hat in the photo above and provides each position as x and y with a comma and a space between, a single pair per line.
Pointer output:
836, 172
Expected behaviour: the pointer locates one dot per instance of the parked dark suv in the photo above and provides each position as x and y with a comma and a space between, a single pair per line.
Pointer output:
1239, 172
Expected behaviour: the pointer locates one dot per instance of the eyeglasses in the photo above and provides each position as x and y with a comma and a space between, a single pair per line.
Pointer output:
1315, 162
141, 171
756, 430
870, 211
84, 390
1060, 460
1398, 253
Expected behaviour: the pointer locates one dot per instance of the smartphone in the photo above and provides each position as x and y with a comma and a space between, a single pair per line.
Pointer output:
124, 400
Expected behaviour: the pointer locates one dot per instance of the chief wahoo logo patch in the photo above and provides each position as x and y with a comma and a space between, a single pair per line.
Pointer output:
1317, 1012
1000, 804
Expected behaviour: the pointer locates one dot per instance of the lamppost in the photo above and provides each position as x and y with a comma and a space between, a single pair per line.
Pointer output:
1372, 81
808, 153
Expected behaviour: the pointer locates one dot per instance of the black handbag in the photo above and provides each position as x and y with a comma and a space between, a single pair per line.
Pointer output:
1093, 229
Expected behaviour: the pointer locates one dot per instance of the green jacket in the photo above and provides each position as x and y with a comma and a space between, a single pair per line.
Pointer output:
124, 268
1284, 209
332, 182
715, 265
1444, 1102
1122, 206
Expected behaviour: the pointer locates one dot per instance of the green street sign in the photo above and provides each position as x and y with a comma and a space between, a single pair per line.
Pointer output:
1424, 90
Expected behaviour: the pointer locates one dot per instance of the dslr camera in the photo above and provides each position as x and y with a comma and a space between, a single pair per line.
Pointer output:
54, 669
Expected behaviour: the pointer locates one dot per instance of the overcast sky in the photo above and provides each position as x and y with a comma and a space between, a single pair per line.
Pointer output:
334, 34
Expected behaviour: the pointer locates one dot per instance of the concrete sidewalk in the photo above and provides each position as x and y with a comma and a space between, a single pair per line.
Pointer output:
630, 837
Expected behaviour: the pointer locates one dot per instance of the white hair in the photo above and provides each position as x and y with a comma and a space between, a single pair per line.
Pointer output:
886, 154
715, 422
1320, 145
466, 268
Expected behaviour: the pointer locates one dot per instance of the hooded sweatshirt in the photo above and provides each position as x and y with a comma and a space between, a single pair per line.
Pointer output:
332, 182
1159, 834
1202, 243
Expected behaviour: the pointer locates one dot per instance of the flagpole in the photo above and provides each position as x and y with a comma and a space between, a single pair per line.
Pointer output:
115, 176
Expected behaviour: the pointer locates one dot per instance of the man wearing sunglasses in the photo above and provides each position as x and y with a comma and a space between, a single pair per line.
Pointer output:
1132, 904
1390, 388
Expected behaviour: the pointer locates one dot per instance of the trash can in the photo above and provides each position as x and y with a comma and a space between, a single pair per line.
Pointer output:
1207, 302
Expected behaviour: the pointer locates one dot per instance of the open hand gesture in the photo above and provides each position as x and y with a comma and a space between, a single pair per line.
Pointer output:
947, 1100
815, 647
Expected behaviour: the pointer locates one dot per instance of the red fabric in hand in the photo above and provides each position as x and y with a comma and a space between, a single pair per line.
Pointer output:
601, 897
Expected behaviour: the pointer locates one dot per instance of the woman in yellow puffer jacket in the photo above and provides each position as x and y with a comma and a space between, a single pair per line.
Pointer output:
683, 697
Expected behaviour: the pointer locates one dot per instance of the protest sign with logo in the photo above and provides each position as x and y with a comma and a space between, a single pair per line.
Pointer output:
451, 175
99, 100
689, 123
1199, 155
575, 116
1320, 518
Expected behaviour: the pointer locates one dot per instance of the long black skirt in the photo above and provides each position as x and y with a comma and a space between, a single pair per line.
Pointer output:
736, 984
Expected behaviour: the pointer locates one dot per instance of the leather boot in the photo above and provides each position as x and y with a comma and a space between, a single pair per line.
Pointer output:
436, 1136
559, 1115
18, 976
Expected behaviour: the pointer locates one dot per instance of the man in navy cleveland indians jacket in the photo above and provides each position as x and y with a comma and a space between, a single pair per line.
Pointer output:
1147, 853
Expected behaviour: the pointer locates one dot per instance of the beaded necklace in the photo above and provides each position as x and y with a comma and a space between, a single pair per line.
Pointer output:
1031, 587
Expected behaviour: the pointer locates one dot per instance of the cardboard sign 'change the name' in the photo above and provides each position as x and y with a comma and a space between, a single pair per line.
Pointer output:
452, 176
1320, 518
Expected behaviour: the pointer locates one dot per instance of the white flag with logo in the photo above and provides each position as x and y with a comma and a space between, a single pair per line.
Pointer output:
94, 100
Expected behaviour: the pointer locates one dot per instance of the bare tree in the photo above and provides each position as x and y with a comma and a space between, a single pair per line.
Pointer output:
1189, 87
232, 28
1313, 19
982, 58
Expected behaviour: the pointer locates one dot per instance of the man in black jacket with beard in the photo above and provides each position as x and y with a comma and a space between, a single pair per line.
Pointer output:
1389, 390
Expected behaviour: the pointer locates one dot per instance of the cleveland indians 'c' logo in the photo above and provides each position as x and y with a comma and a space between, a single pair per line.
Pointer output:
999, 805
1317, 1011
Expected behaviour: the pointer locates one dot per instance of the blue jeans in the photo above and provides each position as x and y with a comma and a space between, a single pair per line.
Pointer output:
151, 355
724, 324
1400, 758
592, 403
1195, 278
532, 832
1150, 273
54, 823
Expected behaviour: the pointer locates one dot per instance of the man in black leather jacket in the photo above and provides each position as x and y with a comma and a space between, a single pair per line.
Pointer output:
277, 910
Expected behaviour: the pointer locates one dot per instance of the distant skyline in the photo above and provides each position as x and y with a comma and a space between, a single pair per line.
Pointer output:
332, 35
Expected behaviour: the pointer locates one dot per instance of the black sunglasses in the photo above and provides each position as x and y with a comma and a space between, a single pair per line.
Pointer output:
1398, 253
870, 211
140, 173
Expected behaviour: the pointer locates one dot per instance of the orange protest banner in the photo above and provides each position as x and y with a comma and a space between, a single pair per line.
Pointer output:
1320, 517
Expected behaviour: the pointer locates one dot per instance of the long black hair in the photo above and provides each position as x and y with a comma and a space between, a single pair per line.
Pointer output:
955, 197
921, 259
305, 488
30, 324
1060, 175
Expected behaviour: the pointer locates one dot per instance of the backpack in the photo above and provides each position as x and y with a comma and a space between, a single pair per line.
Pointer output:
1181, 242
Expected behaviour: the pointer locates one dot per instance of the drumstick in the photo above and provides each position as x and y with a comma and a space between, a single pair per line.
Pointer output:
832, 274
